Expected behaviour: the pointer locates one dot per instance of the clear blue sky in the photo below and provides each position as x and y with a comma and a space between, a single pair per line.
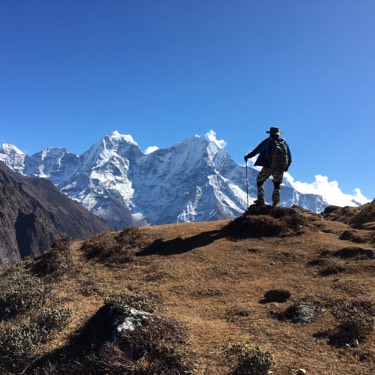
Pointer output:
72, 72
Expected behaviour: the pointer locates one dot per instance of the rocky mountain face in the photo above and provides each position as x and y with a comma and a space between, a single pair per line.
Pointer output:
194, 180
34, 214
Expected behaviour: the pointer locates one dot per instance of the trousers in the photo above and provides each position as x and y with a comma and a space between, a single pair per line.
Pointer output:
277, 175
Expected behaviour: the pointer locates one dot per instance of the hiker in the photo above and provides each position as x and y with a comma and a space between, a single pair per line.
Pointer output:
275, 158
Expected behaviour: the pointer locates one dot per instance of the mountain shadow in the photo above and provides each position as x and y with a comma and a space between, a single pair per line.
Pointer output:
256, 222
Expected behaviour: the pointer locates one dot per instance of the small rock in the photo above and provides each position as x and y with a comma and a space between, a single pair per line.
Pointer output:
355, 343
301, 371
302, 312
272, 263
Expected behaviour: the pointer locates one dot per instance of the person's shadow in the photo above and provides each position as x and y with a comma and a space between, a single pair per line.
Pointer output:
180, 245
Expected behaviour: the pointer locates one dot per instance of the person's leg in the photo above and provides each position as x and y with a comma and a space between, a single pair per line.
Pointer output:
277, 180
262, 177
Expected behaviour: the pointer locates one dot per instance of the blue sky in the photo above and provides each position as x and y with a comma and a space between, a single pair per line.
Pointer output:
72, 72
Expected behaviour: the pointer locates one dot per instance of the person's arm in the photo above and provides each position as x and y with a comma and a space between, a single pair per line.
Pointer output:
257, 150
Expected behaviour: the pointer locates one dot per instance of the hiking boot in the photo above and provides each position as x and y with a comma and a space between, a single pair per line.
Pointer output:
259, 202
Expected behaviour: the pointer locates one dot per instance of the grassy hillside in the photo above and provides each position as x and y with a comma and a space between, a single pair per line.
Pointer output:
276, 290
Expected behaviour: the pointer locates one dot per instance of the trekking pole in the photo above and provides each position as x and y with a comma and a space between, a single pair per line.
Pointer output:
247, 188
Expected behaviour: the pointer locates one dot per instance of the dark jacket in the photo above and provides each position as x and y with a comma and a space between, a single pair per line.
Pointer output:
264, 149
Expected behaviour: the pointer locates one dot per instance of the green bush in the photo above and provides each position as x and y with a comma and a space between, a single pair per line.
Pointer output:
53, 319
19, 292
18, 341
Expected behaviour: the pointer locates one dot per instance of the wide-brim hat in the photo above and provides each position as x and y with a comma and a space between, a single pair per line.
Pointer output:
274, 131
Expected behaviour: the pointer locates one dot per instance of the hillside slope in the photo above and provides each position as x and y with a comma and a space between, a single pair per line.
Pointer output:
34, 214
210, 279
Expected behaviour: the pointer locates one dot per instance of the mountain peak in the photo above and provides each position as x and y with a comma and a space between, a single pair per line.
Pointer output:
211, 137
13, 157
114, 145
8, 148
116, 136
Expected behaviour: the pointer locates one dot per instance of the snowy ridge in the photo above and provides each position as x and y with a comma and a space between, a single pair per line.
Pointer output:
12, 157
193, 180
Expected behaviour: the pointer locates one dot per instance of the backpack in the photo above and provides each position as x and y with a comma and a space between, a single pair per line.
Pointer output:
278, 156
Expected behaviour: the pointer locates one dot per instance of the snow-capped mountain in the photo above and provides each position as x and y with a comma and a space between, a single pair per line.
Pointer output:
194, 180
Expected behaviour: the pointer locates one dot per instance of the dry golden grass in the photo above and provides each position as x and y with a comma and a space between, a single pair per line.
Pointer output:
214, 283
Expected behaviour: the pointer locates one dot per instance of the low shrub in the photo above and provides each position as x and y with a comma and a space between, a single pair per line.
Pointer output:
159, 347
111, 248
350, 235
255, 227
356, 321
251, 361
138, 300
267, 221
57, 261
355, 252
131, 237
18, 341
108, 345
20, 291
53, 319
276, 295
331, 269
109, 359
366, 214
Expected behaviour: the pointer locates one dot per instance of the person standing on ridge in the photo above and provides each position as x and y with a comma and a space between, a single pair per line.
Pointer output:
275, 158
